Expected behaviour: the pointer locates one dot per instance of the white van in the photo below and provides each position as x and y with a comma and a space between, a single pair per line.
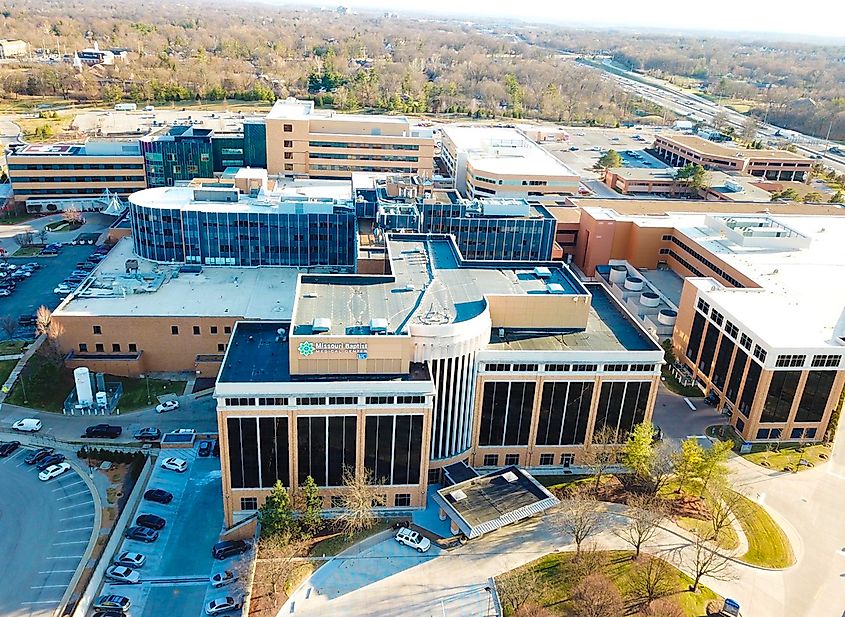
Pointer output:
27, 425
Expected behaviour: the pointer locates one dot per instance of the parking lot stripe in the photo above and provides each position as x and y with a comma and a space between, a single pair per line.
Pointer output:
72, 495
70, 518
77, 505
74, 542
72, 530
47, 586
64, 486
66, 557
56, 601
56, 571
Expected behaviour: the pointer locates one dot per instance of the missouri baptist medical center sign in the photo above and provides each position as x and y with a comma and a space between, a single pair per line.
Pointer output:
306, 348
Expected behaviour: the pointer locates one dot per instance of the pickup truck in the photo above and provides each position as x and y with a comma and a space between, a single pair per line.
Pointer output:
103, 430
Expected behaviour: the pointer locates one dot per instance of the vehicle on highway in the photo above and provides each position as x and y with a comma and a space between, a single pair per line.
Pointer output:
130, 560
8, 447
122, 574
226, 577
112, 601
174, 464
223, 604
38, 456
53, 459
158, 495
167, 406
414, 539
148, 433
103, 430
53, 471
151, 520
142, 534
229, 548
205, 449
27, 425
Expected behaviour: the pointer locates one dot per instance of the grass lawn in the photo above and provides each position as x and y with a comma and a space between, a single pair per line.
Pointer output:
6, 367
558, 578
339, 542
62, 226
46, 386
768, 546
673, 385
27, 251
15, 219
727, 540
12, 347
135, 391
789, 457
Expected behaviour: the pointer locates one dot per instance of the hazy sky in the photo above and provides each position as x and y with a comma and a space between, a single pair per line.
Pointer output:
822, 18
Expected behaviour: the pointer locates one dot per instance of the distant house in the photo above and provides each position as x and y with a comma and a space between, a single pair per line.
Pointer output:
13, 48
93, 56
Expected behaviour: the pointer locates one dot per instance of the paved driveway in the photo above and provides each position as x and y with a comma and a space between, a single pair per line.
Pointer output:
677, 420
46, 527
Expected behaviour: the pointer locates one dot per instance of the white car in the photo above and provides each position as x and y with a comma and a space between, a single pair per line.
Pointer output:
183, 431
174, 464
53, 471
130, 560
27, 425
414, 539
223, 604
221, 579
122, 574
167, 406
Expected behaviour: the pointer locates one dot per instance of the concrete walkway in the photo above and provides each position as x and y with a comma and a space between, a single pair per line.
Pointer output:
22, 360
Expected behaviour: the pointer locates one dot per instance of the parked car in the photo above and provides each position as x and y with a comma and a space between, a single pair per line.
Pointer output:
167, 406
130, 560
113, 601
151, 520
414, 539
103, 430
38, 456
142, 534
110, 612
223, 604
27, 320
149, 433
229, 548
175, 464
122, 574
8, 447
158, 495
27, 425
53, 471
226, 577
183, 431
204, 449
53, 459
5, 292
34, 265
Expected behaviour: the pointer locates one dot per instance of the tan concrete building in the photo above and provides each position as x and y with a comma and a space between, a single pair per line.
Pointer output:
501, 162
680, 150
720, 185
14, 48
45, 175
303, 141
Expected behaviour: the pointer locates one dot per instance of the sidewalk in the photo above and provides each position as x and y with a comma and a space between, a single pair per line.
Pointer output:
23, 359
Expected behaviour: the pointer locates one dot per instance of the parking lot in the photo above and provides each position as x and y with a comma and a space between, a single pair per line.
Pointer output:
175, 577
46, 529
591, 143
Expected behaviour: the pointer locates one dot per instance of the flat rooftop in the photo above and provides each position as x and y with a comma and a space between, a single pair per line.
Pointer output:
486, 503
108, 148
732, 186
308, 195
711, 148
430, 284
664, 209
292, 109
609, 328
504, 151
218, 291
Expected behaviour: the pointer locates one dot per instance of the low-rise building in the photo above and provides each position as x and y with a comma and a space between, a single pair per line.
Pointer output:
14, 48
720, 185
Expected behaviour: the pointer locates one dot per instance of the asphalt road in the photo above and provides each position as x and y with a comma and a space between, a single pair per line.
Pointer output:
45, 527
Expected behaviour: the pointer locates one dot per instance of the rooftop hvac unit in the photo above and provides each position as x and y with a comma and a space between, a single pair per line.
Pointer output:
321, 324
458, 495
378, 325
541, 272
555, 288
510, 476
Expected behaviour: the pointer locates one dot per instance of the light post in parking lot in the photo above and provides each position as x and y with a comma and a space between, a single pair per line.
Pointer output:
146, 378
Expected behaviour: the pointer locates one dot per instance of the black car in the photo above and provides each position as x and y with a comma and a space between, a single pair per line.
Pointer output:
27, 320
151, 521
113, 601
205, 448
229, 548
110, 612
53, 459
149, 433
158, 495
38, 455
8, 447
103, 430
142, 534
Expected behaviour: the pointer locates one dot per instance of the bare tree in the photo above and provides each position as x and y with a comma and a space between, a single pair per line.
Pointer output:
662, 465
52, 330
516, 588
601, 454
361, 495
597, 596
9, 325
644, 517
721, 505
25, 238
72, 216
703, 560
532, 609
665, 607
276, 564
578, 517
42, 236
749, 129
651, 579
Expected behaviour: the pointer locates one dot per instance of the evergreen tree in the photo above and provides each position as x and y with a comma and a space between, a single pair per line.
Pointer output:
275, 515
312, 507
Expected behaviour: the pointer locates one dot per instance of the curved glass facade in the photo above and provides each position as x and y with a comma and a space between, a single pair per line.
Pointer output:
245, 238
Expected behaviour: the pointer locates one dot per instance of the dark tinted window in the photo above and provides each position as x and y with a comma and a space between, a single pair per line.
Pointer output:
738, 368
506, 413
814, 398
723, 360
622, 405
708, 350
393, 447
273, 436
779, 398
749, 390
695, 336
564, 410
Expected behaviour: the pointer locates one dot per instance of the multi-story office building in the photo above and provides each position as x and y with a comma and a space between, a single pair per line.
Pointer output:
255, 143
177, 154
680, 150
302, 141
306, 223
503, 162
14, 48
438, 361
759, 318
46, 172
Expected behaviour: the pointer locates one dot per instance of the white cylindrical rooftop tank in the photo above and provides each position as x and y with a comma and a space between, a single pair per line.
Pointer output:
618, 274
667, 317
633, 283
102, 399
82, 378
649, 298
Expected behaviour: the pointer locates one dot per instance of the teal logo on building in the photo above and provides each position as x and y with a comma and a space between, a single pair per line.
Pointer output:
306, 348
